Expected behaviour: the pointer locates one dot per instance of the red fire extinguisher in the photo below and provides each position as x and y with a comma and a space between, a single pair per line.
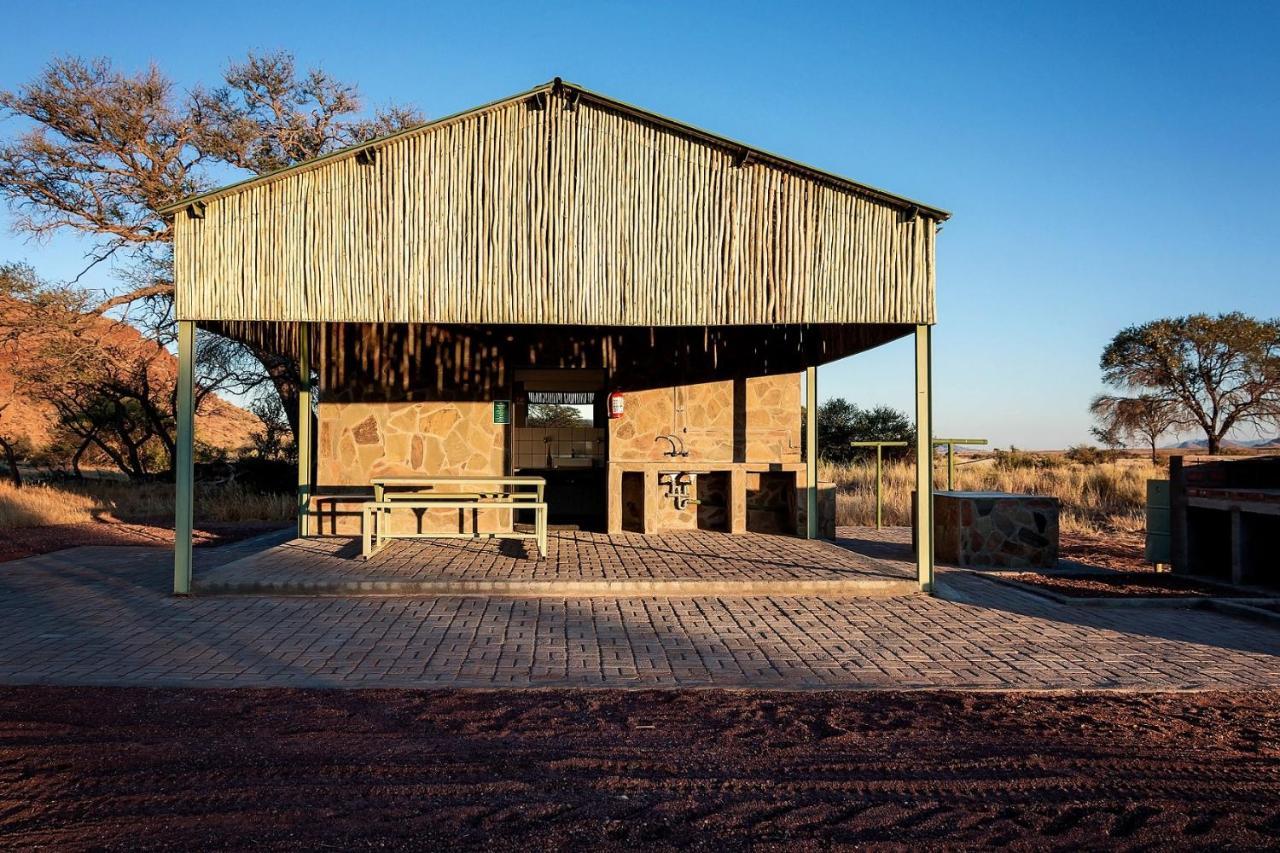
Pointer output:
617, 405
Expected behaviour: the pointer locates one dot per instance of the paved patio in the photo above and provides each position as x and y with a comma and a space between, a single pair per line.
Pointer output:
98, 615
577, 563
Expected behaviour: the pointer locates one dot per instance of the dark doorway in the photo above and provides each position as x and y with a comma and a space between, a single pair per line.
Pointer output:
559, 433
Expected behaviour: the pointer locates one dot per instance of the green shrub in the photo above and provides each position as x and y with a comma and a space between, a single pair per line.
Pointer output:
1014, 459
1086, 455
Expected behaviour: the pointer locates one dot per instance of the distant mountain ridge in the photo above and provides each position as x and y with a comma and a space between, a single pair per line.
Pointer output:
1201, 444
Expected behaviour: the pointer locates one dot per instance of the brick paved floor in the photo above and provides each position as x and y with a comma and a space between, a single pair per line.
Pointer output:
98, 615
572, 556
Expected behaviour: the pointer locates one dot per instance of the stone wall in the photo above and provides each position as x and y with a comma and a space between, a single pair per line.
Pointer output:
996, 530
752, 420
358, 441
733, 422
746, 420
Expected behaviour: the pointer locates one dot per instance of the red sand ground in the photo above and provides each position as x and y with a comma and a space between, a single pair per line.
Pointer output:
26, 541
153, 769
1128, 585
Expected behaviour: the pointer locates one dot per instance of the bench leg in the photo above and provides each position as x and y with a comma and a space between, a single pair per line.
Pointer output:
540, 524
377, 530
366, 532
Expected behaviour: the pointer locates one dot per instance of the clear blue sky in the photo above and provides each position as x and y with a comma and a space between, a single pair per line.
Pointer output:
1106, 163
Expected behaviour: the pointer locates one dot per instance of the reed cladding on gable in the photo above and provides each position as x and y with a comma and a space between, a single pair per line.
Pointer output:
554, 212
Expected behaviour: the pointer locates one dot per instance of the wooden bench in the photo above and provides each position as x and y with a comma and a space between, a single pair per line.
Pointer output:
373, 537
423, 493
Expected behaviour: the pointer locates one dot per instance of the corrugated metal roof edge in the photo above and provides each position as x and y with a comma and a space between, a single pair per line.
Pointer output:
757, 154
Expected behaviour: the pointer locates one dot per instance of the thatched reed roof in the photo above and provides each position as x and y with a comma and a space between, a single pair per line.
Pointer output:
555, 206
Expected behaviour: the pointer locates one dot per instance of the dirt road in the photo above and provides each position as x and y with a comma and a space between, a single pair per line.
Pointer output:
183, 769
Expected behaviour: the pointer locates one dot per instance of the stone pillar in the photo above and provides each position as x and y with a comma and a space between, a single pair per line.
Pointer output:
652, 492
738, 500
613, 511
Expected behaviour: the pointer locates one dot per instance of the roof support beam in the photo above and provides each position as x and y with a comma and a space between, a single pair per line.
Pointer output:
304, 430
924, 458
811, 452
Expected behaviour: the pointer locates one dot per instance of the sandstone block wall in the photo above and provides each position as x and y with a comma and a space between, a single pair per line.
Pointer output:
996, 531
358, 441
732, 423
751, 420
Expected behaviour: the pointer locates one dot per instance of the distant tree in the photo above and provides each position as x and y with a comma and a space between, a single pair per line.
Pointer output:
1086, 454
15, 447
1122, 420
1218, 372
273, 442
269, 116
109, 387
108, 396
554, 415
29, 309
841, 422
106, 150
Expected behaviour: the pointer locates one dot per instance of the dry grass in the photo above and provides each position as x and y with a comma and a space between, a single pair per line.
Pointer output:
1095, 498
121, 501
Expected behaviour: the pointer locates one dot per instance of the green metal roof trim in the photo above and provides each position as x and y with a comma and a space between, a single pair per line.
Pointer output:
756, 154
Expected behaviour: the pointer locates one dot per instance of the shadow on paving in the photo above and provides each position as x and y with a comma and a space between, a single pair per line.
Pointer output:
1168, 620
988, 599
104, 615
573, 556
120, 599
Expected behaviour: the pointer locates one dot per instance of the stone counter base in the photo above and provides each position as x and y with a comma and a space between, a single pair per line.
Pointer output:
996, 531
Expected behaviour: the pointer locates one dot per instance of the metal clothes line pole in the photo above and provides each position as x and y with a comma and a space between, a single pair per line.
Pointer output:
951, 444
879, 446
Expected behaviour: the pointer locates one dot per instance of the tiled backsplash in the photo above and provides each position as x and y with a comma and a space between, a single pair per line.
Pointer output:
568, 446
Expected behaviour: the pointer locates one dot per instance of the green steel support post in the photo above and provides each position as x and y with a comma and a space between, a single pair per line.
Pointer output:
183, 467
924, 459
811, 454
879, 468
304, 430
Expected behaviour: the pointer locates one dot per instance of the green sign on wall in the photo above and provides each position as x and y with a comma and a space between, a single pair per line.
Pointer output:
502, 411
